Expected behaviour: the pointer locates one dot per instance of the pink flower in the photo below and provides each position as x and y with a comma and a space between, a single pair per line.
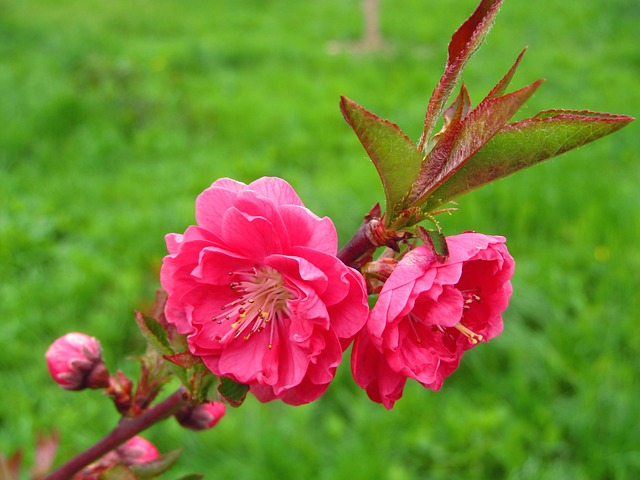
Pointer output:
429, 313
202, 416
75, 362
258, 289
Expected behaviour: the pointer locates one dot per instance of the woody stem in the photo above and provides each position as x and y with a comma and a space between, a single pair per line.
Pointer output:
126, 429
359, 247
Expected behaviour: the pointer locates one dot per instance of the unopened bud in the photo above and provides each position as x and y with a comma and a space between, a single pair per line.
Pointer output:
134, 451
75, 362
202, 416
137, 450
378, 271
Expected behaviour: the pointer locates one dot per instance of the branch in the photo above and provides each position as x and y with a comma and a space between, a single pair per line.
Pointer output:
356, 251
126, 429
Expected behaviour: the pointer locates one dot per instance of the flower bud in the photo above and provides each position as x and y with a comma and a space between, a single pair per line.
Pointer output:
134, 451
202, 416
75, 362
137, 450
378, 271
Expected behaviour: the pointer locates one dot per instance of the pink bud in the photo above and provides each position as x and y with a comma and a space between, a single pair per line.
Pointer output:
133, 451
75, 362
202, 416
137, 450
378, 271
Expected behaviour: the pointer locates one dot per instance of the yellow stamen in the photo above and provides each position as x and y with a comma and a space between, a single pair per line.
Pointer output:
473, 337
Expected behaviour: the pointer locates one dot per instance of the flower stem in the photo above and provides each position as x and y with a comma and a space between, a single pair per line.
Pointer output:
126, 429
359, 247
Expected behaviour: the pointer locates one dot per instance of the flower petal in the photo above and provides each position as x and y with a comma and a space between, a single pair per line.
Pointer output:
277, 190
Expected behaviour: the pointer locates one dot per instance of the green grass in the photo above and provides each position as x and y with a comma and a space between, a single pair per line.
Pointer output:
115, 115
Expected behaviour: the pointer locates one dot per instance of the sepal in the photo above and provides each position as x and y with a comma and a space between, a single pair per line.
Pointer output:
232, 392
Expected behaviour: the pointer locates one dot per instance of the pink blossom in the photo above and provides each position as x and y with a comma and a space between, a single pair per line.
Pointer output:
258, 289
202, 416
75, 362
429, 313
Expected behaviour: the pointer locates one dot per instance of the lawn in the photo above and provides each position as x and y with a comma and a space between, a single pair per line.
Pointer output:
115, 115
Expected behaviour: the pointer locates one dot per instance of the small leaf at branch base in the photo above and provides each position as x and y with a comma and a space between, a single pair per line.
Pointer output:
525, 143
118, 472
435, 241
155, 467
232, 392
394, 155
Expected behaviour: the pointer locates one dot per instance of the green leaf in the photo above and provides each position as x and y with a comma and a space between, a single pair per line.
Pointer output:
153, 468
192, 476
233, 392
525, 143
435, 241
459, 143
394, 155
154, 333
202, 382
464, 42
118, 472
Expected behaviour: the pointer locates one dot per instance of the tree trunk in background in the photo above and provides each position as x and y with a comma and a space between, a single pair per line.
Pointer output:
372, 38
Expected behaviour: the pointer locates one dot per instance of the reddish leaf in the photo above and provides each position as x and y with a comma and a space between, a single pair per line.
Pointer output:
461, 143
46, 447
502, 85
464, 42
456, 112
394, 155
525, 143
10, 467
184, 359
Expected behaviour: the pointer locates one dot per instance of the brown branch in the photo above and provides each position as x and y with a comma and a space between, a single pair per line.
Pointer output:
126, 429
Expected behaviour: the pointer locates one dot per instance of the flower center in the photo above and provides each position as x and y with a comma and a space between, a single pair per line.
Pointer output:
470, 297
261, 300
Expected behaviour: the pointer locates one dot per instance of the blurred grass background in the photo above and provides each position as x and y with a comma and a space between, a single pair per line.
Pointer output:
115, 115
